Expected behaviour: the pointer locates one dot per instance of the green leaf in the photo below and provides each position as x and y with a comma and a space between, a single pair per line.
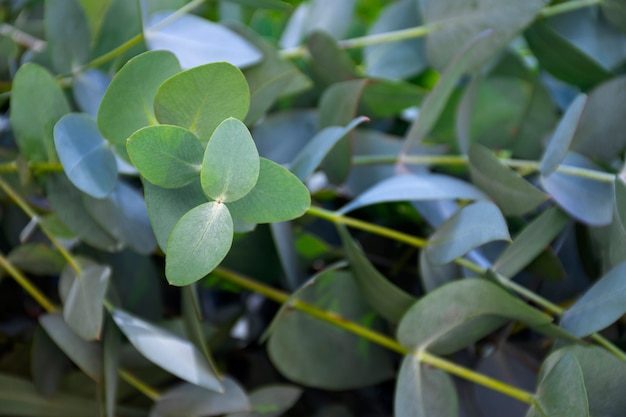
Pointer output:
531, 241
194, 401
506, 18
332, 20
277, 196
198, 243
434, 104
423, 391
200, 98
329, 63
617, 242
472, 226
458, 314
191, 310
512, 193
95, 10
387, 299
166, 207
82, 307
86, 355
410, 187
319, 146
111, 360
37, 102
86, 157
89, 88
67, 202
600, 306
389, 97
328, 357
37, 259
264, 4
19, 397
196, 41
615, 12
338, 106
561, 390
585, 199
127, 103
177, 356
67, 34
123, 214
48, 363
271, 401
563, 135
167, 156
564, 60
434, 276
398, 59
230, 168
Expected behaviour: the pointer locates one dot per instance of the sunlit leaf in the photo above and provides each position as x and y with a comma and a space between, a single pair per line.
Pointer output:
198, 243
177, 356
200, 98
86, 157
127, 103
230, 168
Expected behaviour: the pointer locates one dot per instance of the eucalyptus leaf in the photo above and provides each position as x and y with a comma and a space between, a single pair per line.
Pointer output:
48, 363
198, 243
199, 99
166, 206
111, 360
86, 157
332, 20
277, 196
456, 314
196, 41
192, 320
127, 103
456, 21
67, 34
309, 158
37, 103
82, 308
86, 355
330, 64
165, 349
617, 239
562, 138
167, 156
423, 391
513, 194
325, 355
195, 401
615, 12
387, 299
600, 306
230, 168
271, 401
530, 242
37, 259
415, 188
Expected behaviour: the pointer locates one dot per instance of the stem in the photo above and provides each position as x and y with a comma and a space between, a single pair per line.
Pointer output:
494, 384
44, 228
28, 286
371, 335
135, 382
568, 6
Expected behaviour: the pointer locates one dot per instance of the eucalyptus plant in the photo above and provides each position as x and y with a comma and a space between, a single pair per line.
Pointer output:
432, 191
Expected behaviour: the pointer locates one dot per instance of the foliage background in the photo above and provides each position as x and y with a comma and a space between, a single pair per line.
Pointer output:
461, 253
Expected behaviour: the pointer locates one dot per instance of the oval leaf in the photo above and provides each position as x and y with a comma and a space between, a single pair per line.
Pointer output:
198, 243
177, 356
471, 227
415, 188
196, 41
230, 167
277, 196
127, 103
87, 158
201, 98
512, 193
67, 34
167, 156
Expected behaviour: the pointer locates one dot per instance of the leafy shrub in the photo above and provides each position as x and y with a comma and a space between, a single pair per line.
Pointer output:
432, 191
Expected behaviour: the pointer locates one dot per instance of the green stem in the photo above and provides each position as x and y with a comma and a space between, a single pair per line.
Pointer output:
28, 286
139, 385
17, 199
568, 6
371, 335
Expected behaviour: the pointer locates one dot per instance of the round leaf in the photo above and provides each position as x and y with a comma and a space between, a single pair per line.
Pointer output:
127, 103
278, 196
87, 158
201, 98
230, 167
167, 156
199, 242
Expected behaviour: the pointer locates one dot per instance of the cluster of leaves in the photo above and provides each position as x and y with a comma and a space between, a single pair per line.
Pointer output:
209, 145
